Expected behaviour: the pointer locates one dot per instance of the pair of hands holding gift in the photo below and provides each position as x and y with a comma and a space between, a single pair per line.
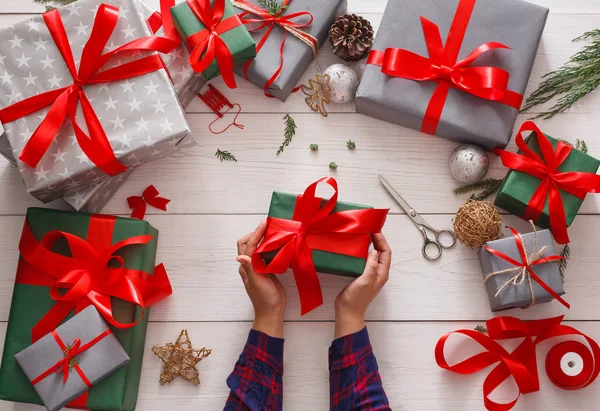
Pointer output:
269, 299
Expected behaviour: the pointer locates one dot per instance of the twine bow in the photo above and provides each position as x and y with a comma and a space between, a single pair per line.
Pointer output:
524, 272
150, 196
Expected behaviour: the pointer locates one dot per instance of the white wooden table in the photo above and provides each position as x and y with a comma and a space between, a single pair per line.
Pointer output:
214, 203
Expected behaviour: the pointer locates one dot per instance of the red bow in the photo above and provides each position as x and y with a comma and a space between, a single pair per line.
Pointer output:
150, 196
314, 228
552, 180
208, 42
521, 364
86, 274
489, 83
64, 365
527, 265
64, 100
266, 19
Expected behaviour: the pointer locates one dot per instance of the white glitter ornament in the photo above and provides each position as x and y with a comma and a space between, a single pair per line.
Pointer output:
343, 82
468, 163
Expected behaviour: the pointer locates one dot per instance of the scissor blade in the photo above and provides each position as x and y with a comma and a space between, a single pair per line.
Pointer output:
407, 209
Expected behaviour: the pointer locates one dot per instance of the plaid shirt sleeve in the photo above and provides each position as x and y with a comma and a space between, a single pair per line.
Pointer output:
256, 382
354, 378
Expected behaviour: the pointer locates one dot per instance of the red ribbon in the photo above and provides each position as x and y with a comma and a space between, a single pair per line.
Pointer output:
552, 180
527, 266
63, 365
313, 227
207, 44
521, 364
269, 20
86, 274
489, 83
150, 196
64, 101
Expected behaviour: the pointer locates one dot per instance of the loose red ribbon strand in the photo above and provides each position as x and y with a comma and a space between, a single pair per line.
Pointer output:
521, 364
64, 101
315, 228
489, 83
149, 196
546, 168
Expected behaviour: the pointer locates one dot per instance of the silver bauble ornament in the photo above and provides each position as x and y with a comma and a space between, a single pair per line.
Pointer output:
468, 163
343, 82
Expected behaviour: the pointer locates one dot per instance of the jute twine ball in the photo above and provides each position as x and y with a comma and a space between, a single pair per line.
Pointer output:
476, 223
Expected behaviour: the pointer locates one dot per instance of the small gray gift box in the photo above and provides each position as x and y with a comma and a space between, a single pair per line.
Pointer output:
297, 55
142, 116
97, 362
465, 118
504, 294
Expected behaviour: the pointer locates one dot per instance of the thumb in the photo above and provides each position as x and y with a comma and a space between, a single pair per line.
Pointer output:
371, 267
246, 262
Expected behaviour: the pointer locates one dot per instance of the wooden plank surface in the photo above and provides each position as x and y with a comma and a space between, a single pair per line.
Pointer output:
215, 203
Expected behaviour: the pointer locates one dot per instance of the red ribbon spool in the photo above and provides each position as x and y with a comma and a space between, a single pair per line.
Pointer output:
567, 355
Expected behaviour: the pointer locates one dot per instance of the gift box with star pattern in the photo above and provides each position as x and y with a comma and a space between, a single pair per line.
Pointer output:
141, 116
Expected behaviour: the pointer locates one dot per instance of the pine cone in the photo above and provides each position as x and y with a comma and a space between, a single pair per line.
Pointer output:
351, 37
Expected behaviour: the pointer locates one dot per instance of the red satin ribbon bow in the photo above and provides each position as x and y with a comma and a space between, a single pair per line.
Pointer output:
552, 180
521, 364
150, 196
269, 20
527, 266
314, 228
64, 365
207, 44
91, 275
64, 101
488, 83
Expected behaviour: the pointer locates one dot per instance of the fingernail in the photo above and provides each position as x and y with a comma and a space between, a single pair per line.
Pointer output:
375, 254
238, 259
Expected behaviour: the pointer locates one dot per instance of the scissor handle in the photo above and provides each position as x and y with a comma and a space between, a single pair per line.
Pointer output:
428, 243
447, 232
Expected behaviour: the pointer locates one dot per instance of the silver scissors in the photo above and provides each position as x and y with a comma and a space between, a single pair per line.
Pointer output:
421, 224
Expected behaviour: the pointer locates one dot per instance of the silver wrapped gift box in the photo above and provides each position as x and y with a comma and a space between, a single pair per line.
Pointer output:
142, 116
97, 362
465, 117
512, 295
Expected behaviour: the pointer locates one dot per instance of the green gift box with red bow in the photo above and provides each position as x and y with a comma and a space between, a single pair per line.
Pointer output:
69, 261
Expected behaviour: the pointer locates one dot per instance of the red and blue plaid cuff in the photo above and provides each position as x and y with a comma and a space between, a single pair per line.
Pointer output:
266, 349
349, 350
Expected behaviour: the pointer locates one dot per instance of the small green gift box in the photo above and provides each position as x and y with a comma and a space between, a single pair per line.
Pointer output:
237, 39
518, 187
31, 301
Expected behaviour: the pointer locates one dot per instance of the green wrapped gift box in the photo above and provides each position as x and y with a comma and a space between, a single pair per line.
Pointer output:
31, 302
238, 39
518, 187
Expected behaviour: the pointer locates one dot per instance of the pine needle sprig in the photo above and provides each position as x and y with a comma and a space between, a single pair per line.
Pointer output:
481, 328
51, 4
288, 133
274, 7
581, 146
486, 188
562, 264
225, 156
574, 80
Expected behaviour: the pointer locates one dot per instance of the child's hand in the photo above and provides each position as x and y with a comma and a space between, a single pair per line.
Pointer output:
265, 291
352, 303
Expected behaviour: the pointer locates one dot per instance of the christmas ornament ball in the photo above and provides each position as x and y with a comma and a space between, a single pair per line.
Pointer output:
468, 163
343, 82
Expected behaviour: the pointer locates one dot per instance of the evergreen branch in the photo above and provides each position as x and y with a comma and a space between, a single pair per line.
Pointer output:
50, 3
351, 144
581, 146
481, 328
314, 147
486, 188
288, 133
274, 7
562, 264
225, 156
574, 80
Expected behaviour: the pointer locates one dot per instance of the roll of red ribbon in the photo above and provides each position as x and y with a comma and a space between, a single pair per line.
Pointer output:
570, 365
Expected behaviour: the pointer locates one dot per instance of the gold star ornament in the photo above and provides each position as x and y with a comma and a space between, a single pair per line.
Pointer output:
318, 93
180, 359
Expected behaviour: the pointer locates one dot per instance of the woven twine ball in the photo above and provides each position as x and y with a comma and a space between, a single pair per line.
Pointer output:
476, 223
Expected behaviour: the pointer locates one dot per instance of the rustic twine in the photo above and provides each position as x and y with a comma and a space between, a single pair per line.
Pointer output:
476, 223
180, 359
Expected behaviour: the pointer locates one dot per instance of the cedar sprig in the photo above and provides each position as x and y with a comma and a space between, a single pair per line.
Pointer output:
486, 188
574, 80
481, 328
288, 133
225, 156
562, 264
274, 7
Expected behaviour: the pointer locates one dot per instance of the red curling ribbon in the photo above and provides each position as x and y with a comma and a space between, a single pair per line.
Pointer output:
64, 101
150, 196
521, 364
62, 366
86, 275
489, 83
207, 44
314, 227
546, 168
286, 22
527, 266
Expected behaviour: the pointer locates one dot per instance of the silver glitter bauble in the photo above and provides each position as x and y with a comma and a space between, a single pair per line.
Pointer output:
343, 82
468, 163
